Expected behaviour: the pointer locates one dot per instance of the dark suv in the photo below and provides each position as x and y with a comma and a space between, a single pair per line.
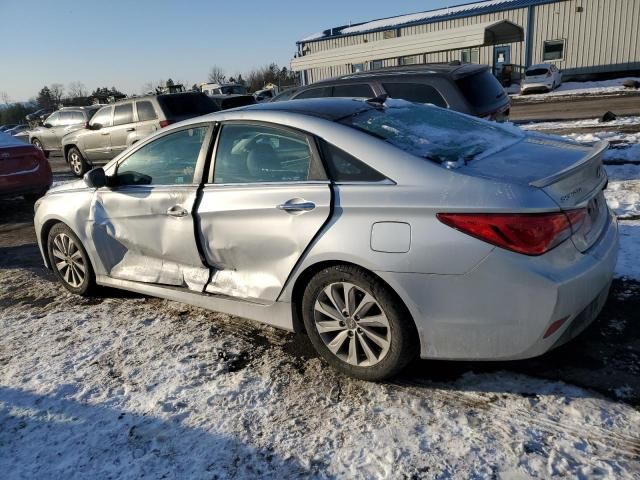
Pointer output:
118, 126
466, 88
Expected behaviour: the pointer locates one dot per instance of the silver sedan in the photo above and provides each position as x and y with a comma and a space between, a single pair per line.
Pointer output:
384, 230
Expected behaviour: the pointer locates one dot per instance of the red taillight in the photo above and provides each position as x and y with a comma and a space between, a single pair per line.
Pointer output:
553, 328
530, 234
164, 123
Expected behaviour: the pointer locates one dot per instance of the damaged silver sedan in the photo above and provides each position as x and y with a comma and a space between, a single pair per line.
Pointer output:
384, 230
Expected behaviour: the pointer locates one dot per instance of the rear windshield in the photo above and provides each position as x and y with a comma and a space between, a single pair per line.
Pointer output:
187, 105
537, 71
483, 91
434, 133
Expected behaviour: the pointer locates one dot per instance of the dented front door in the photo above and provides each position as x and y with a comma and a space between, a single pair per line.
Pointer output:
143, 225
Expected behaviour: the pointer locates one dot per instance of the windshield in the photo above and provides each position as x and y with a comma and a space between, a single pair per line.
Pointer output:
434, 133
534, 72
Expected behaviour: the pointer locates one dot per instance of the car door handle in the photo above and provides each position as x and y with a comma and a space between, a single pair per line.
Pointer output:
131, 129
177, 211
295, 205
104, 133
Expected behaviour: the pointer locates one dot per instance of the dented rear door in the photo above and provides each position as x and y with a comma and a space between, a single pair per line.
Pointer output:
267, 199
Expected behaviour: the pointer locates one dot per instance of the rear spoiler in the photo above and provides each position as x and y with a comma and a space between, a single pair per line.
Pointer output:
593, 156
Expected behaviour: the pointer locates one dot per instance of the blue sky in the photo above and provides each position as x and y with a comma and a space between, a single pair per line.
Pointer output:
128, 43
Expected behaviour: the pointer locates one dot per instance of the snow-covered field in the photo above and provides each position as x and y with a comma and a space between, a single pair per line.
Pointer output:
576, 124
123, 386
600, 87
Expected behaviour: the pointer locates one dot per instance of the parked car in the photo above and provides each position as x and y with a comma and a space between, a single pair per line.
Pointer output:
383, 231
118, 126
223, 89
23, 169
48, 137
16, 129
542, 77
38, 116
466, 88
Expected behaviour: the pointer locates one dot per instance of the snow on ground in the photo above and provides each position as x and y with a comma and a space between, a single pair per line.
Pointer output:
629, 256
623, 191
617, 138
582, 88
571, 124
131, 387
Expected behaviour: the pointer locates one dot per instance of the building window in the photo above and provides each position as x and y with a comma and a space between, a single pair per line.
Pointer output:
409, 60
357, 67
375, 65
553, 50
387, 34
470, 55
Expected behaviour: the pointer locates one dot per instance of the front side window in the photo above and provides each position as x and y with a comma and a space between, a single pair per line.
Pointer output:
102, 117
169, 160
356, 90
123, 114
261, 154
53, 120
415, 92
553, 50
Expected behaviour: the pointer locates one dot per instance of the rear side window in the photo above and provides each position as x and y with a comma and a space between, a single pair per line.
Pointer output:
77, 117
346, 168
357, 90
315, 93
483, 92
415, 92
146, 111
123, 114
187, 105
65, 118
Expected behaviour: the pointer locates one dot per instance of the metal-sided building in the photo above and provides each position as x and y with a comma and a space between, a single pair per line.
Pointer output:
581, 37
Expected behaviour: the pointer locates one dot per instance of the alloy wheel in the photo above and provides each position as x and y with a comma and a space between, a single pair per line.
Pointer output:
76, 162
68, 260
37, 144
352, 324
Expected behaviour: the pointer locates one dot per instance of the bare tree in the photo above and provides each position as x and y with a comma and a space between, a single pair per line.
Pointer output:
57, 91
77, 90
4, 96
147, 87
216, 75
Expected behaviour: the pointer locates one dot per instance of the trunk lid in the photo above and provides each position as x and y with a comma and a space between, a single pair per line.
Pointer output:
572, 175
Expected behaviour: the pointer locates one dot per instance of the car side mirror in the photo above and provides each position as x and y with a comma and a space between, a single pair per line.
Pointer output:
47, 125
95, 178
95, 126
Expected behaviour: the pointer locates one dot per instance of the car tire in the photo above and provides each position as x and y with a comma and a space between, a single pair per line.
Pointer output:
374, 345
77, 163
69, 260
38, 144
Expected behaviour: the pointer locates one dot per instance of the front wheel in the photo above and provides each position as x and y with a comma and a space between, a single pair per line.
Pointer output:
38, 144
357, 324
76, 161
69, 260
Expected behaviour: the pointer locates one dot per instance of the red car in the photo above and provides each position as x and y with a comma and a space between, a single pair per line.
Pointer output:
23, 169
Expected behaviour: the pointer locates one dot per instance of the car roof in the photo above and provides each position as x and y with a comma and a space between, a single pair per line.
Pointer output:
327, 108
454, 70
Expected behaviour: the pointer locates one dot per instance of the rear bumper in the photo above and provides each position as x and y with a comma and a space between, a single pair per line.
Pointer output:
502, 309
538, 86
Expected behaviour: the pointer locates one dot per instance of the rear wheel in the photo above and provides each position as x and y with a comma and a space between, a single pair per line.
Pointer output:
69, 260
76, 161
357, 324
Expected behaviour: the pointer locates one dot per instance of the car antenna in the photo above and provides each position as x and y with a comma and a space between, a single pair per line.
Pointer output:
378, 101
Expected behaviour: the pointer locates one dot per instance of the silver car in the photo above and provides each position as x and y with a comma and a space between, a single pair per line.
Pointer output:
382, 230
48, 137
